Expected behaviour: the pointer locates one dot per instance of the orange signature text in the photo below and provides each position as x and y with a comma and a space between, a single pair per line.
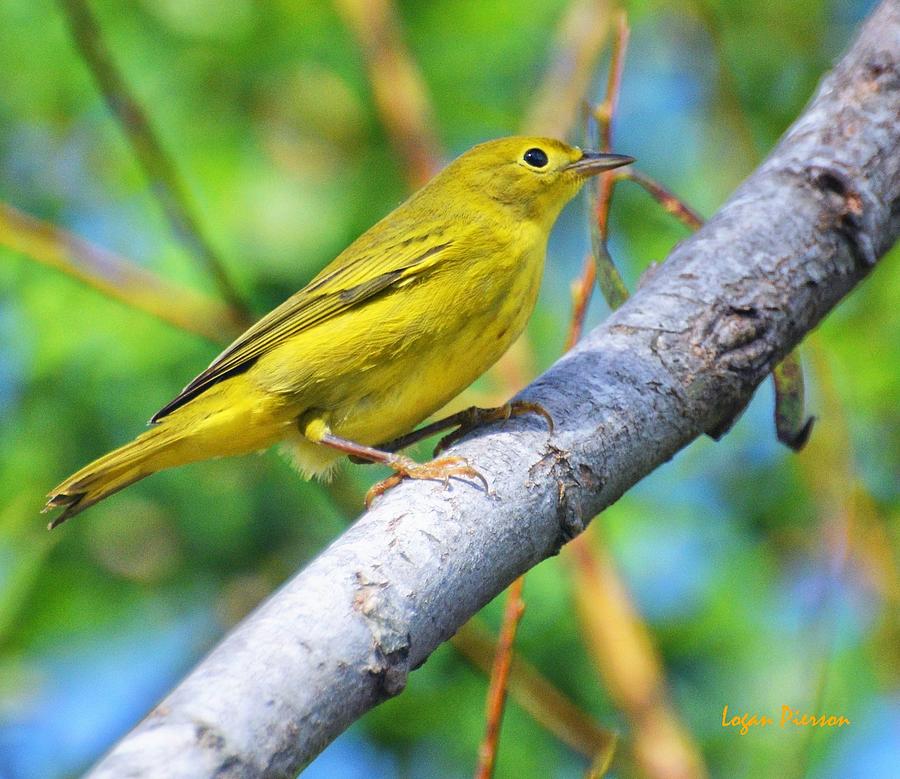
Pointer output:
794, 717
790, 717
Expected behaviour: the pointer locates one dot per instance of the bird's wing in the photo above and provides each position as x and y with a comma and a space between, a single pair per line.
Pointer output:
352, 278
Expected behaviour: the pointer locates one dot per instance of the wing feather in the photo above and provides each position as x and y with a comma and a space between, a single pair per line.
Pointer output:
344, 283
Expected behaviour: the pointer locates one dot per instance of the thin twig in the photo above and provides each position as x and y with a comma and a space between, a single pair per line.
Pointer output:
582, 289
670, 202
117, 277
496, 699
579, 40
605, 112
538, 121
157, 165
604, 271
397, 84
536, 695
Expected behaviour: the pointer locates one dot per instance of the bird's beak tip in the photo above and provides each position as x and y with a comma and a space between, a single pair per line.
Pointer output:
592, 162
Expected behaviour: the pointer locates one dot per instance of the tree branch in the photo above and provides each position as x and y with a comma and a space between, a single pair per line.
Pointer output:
681, 357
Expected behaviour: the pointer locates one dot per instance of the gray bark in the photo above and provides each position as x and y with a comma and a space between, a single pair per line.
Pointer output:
680, 358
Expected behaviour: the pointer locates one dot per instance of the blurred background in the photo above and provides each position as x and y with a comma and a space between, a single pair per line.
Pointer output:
738, 574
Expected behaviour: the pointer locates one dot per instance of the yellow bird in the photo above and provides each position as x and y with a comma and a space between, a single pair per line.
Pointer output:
398, 324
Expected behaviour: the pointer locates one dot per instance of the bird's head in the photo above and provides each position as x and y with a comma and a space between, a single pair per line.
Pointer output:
532, 176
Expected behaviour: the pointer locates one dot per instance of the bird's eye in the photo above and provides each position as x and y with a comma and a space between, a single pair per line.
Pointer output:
537, 158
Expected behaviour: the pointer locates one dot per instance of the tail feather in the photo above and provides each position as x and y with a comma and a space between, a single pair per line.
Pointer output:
230, 418
108, 474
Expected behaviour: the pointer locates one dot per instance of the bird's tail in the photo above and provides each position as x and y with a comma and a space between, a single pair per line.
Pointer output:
111, 473
230, 418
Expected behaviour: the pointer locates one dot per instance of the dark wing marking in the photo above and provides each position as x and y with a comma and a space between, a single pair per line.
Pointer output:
329, 294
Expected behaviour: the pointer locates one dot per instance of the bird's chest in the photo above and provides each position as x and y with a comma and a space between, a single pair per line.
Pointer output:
489, 305
457, 338
508, 304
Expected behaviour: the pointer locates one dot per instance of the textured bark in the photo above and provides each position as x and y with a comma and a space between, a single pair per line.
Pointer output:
680, 358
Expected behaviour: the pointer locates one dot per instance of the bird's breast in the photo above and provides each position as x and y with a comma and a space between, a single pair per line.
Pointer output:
459, 338
382, 367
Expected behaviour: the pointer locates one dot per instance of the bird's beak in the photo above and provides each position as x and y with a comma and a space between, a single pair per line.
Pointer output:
593, 162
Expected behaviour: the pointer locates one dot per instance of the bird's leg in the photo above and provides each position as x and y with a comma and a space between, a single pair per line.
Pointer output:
474, 416
460, 418
464, 421
443, 468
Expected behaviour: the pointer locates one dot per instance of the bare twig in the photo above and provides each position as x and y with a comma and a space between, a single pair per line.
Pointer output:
552, 113
157, 165
582, 289
579, 42
496, 698
607, 275
117, 277
606, 111
615, 632
671, 203
536, 695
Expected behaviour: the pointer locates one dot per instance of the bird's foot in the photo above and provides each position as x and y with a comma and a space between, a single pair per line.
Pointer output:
442, 469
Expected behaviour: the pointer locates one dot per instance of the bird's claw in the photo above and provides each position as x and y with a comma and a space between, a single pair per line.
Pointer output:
442, 469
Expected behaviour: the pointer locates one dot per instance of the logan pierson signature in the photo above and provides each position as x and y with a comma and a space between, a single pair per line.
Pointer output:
790, 717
